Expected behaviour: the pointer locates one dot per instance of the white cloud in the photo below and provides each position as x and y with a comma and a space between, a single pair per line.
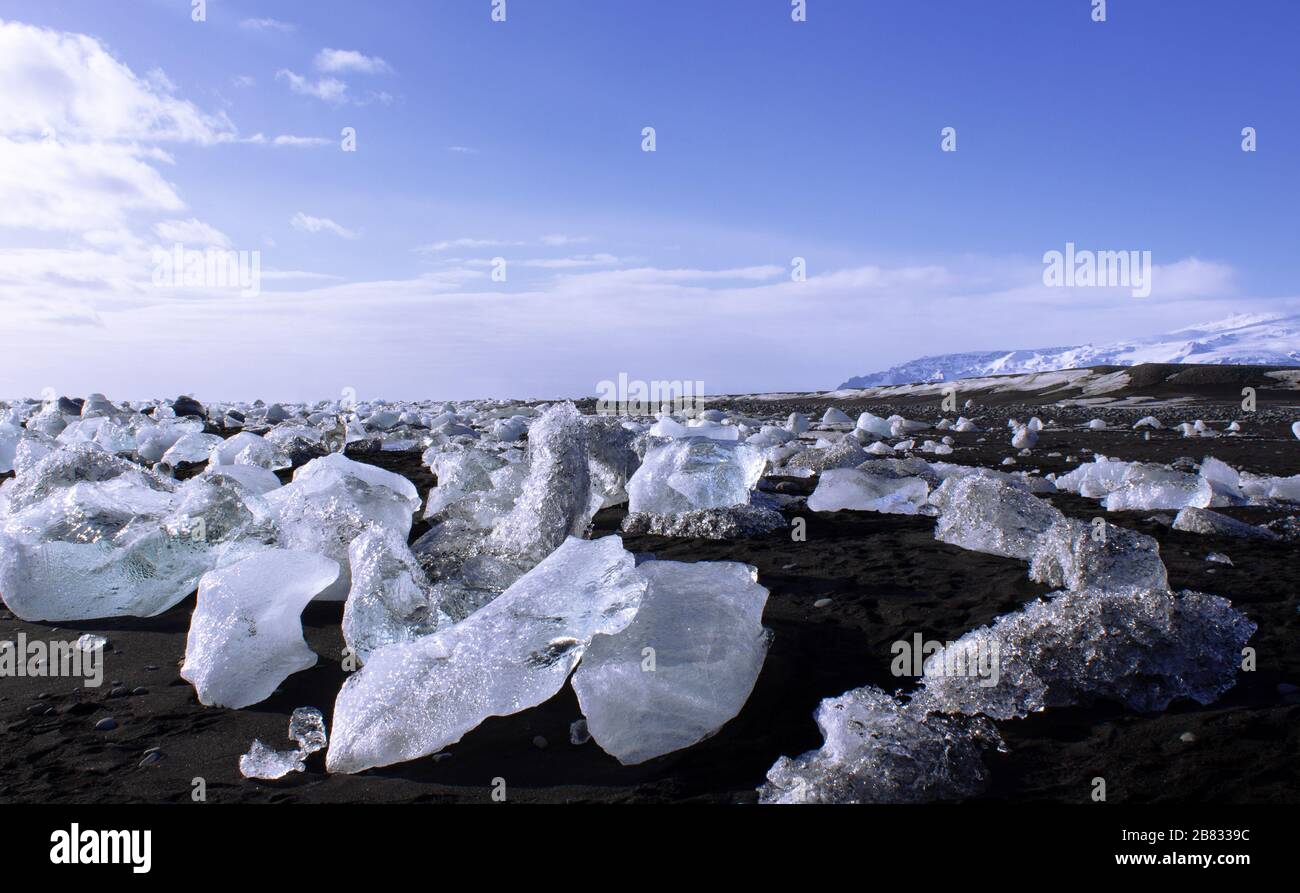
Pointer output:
561, 239
462, 150
191, 232
301, 141
268, 25
69, 85
575, 262
308, 224
244, 80
47, 185
448, 244
350, 60
327, 89
493, 337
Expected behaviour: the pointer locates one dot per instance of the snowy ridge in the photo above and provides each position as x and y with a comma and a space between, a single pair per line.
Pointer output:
1245, 339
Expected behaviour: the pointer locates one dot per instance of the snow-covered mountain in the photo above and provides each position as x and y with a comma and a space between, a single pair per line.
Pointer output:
1259, 339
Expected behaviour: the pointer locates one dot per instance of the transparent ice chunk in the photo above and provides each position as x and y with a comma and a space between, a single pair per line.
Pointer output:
687, 475
245, 635
983, 513
1079, 555
391, 599
557, 499
1139, 647
850, 489
879, 749
1208, 523
416, 698
683, 667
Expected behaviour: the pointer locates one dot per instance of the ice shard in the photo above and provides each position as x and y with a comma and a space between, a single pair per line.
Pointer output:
557, 499
1099, 555
984, 513
683, 667
1140, 647
879, 749
331, 501
391, 599
851, 489
307, 727
695, 473
1204, 521
416, 698
246, 633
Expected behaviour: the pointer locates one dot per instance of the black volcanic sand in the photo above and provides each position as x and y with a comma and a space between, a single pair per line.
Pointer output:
887, 579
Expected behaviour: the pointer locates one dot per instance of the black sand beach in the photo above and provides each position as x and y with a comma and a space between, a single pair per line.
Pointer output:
886, 578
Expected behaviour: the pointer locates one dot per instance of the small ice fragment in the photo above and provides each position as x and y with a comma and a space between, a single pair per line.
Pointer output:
269, 764
307, 727
90, 642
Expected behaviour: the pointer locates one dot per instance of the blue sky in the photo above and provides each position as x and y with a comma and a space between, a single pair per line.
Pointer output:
130, 126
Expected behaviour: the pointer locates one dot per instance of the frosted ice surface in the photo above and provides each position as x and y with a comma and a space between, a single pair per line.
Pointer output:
845, 454
331, 500
191, 448
1024, 438
1225, 482
557, 499
834, 416
114, 547
247, 448
100, 430
874, 424
612, 459
1155, 487
460, 472
703, 622
10, 435
879, 749
733, 522
1204, 521
986, 514
692, 474
391, 599
1140, 647
73, 464
245, 635
250, 479
848, 488
416, 698
1124, 486
1078, 555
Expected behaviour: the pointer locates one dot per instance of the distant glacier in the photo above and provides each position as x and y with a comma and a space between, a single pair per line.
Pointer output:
1258, 339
